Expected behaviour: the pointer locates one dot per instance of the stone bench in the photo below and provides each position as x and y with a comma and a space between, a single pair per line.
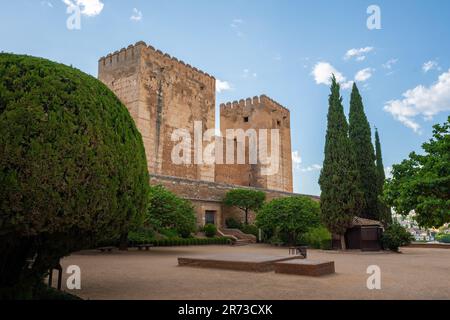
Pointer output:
302, 267
144, 246
106, 249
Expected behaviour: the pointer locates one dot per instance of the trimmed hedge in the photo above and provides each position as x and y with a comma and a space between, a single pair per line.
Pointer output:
73, 170
184, 242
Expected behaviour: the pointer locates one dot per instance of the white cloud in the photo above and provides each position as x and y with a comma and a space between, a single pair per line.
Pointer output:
222, 86
389, 64
388, 172
296, 159
323, 71
364, 74
431, 65
90, 8
421, 101
357, 54
297, 162
314, 167
236, 26
137, 15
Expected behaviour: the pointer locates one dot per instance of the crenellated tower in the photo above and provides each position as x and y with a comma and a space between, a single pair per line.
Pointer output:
259, 113
162, 94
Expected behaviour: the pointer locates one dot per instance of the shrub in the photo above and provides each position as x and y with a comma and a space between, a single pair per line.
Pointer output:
443, 237
287, 219
396, 236
317, 238
169, 233
168, 211
232, 223
250, 229
210, 230
141, 236
73, 170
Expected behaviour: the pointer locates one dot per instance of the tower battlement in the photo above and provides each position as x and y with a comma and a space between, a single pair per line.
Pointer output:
134, 52
257, 101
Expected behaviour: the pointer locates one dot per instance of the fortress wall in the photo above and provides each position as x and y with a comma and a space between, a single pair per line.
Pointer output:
209, 195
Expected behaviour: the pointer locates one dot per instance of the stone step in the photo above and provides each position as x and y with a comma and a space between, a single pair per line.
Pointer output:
242, 242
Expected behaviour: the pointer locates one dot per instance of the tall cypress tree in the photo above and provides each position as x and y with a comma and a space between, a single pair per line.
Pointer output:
361, 139
384, 211
341, 198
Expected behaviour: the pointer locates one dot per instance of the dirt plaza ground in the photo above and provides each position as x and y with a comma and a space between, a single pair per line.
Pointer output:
415, 274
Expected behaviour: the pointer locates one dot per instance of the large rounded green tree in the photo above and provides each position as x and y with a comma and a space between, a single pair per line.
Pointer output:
73, 169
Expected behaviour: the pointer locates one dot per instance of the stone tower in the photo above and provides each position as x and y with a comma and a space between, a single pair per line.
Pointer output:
162, 94
258, 113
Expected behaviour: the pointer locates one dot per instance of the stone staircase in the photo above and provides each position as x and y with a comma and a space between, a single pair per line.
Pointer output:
240, 238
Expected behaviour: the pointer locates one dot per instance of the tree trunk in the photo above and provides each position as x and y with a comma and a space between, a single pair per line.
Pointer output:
343, 245
246, 216
123, 243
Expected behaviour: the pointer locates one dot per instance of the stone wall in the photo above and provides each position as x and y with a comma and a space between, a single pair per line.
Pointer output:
209, 196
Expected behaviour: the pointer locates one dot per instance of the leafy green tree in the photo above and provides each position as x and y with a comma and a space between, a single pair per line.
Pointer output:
341, 197
245, 199
168, 211
396, 236
422, 182
288, 218
73, 170
361, 139
384, 211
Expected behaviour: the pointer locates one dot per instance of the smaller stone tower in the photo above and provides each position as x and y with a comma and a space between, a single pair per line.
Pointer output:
258, 113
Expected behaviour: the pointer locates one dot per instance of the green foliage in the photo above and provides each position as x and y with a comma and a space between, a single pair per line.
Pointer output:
361, 139
170, 233
73, 169
384, 211
245, 199
187, 242
288, 218
210, 230
422, 182
250, 229
168, 211
232, 223
141, 236
443, 237
396, 236
317, 238
341, 197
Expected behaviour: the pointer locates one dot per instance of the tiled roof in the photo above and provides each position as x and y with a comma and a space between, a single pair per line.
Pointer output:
357, 221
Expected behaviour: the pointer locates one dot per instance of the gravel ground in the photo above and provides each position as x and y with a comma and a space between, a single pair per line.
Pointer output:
414, 274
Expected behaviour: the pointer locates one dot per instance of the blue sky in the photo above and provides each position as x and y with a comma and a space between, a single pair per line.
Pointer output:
284, 49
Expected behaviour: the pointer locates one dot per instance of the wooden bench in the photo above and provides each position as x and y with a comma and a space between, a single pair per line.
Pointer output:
299, 251
302, 267
106, 249
145, 246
